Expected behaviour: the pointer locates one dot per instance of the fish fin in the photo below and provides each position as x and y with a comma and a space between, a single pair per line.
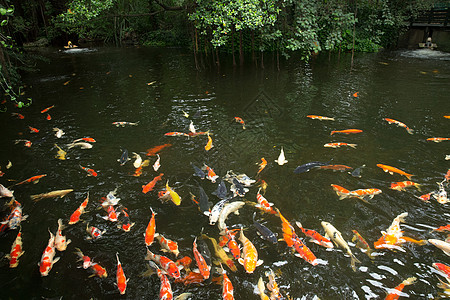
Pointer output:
241, 261
410, 131
259, 262
352, 145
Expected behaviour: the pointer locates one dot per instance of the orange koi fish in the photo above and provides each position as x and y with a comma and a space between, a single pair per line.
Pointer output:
166, 264
447, 176
150, 231
209, 145
47, 109
27, 143
16, 251
227, 289
138, 172
395, 294
438, 139
185, 262
75, 217
112, 214
34, 179
443, 228
355, 95
48, 118
393, 170
361, 243
443, 268
262, 165
400, 186
337, 145
447, 117
346, 131
263, 204
60, 240
340, 191
47, 259
315, 236
191, 278
364, 194
240, 121
288, 230
120, 277
165, 290
400, 124
425, 197
33, 130
87, 261
18, 116
176, 133
272, 286
203, 267
156, 149
167, 245
393, 237
99, 270
250, 254
336, 167
303, 251
232, 244
149, 186
86, 139
126, 224
90, 172
198, 133
211, 174
321, 118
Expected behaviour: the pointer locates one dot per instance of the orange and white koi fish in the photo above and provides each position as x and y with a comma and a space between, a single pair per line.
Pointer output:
443, 228
346, 131
156, 149
315, 236
126, 223
157, 163
165, 263
281, 158
149, 186
302, 250
120, 277
90, 172
364, 194
232, 244
98, 271
60, 240
227, 289
112, 214
320, 118
149, 234
34, 179
47, 259
18, 116
203, 267
400, 186
87, 261
173, 195
94, 232
250, 254
33, 130
176, 133
263, 204
395, 294
335, 167
445, 269
337, 238
14, 218
262, 165
272, 286
191, 278
425, 197
167, 245
86, 139
393, 170
211, 175
209, 145
400, 124
48, 118
340, 191
138, 172
75, 217
337, 145
125, 123
16, 251
361, 243
438, 139
443, 245
47, 109
165, 290
240, 121
27, 143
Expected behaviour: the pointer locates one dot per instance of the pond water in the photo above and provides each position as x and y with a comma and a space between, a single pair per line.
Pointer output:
154, 88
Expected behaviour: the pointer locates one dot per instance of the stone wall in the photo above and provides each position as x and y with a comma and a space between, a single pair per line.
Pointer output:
411, 38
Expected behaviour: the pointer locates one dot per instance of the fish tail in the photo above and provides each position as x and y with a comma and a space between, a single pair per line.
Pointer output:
36, 198
402, 217
352, 145
409, 176
343, 195
409, 281
353, 261
333, 132
409, 130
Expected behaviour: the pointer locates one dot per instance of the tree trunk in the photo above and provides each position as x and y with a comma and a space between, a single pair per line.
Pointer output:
241, 50
354, 31
253, 46
232, 45
278, 59
217, 56
262, 59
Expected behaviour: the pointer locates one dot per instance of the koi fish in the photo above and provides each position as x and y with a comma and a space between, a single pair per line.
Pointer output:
227, 287
34, 179
250, 254
395, 294
87, 261
185, 262
441, 196
340, 191
165, 290
400, 186
346, 131
58, 132
203, 203
192, 127
335, 167
82, 145
121, 123
47, 109
232, 245
315, 237
126, 224
16, 251
151, 229
262, 165
302, 250
337, 238
209, 145
110, 199
120, 277
438, 139
112, 214
166, 264
400, 124
52, 194
220, 253
425, 197
33, 130
157, 164
443, 245
362, 244
355, 95
281, 158
173, 195
211, 175
443, 268
221, 191
443, 228
167, 245
337, 145
60, 240
18, 116
240, 121
27, 143
262, 289
264, 232
61, 154
228, 209
393, 235
98, 271
123, 158
149, 186
138, 172
393, 170
48, 118
86, 139
288, 230
201, 263
94, 232
320, 118
156, 149
215, 211
4, 192
191, 278
14, 218
364, 194
176, 133
309, 166
272, 285
47, 259
90, 172
198, 172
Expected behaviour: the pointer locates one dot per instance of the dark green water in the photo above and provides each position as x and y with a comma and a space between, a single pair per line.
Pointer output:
110, 84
